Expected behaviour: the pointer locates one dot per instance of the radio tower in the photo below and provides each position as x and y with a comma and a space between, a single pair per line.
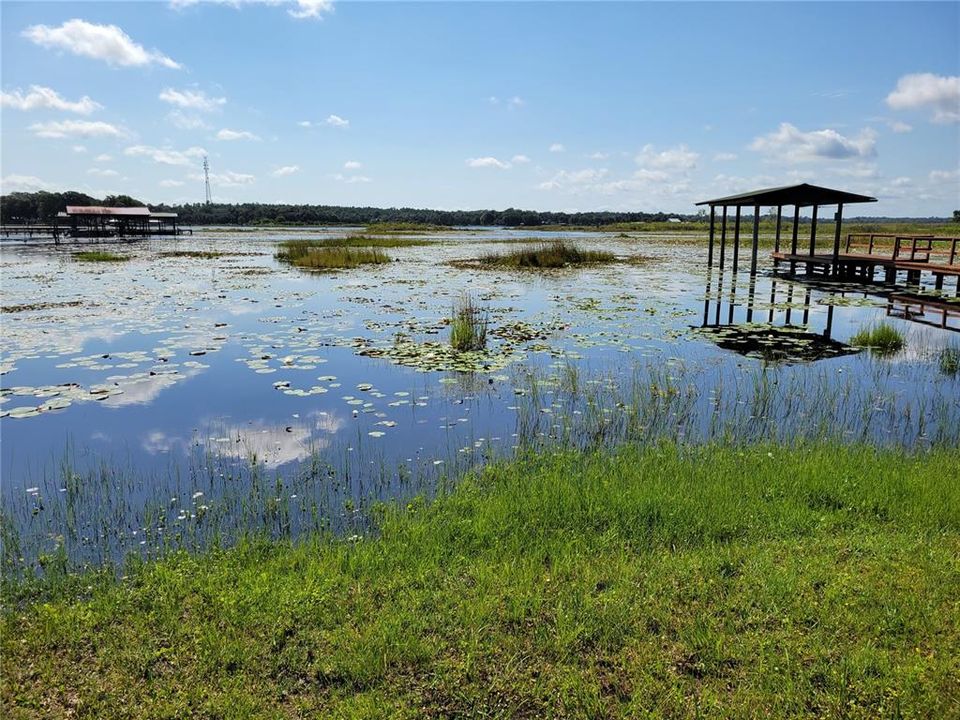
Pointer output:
206, 179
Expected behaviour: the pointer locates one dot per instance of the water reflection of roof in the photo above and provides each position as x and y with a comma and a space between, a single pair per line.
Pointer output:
787, 344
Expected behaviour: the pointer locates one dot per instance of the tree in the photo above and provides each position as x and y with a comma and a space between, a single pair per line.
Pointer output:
956, 216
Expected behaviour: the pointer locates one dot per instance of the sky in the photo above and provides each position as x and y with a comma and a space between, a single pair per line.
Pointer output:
453, 105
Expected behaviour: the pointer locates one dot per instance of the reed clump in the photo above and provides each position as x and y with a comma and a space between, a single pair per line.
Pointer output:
882, 339
318, 255
468, 325
556, 254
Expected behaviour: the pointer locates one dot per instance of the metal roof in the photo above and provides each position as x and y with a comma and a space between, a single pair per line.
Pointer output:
165, 215
802, 194
98, 210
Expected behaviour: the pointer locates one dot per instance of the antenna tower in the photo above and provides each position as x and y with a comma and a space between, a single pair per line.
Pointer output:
206, 179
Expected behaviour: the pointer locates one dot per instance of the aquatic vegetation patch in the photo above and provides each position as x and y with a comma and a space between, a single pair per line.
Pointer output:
404, 228
29, 307
310, 255
547, 255
192, 254
774, 343
948, 360
436, 356
468, 325
881, 339
99, 256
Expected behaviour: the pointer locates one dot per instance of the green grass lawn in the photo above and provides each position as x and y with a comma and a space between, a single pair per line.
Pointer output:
819, 581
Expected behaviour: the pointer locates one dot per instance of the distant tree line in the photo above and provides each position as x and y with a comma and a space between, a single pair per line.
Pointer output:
43, 206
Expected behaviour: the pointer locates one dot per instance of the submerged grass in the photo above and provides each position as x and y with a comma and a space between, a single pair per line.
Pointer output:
192, 254
556, 254
99, 256
662, 581
319, 255
882, 338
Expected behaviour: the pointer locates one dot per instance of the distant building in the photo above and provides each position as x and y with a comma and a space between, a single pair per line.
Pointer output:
97, 221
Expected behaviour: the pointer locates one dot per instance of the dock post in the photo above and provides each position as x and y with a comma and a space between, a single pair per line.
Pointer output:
713, 212
793, 242
813, 237
838, 219
756, 239
736, 241
776, 239
723, 237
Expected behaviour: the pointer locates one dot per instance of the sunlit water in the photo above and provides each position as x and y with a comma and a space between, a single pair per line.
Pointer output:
163, 400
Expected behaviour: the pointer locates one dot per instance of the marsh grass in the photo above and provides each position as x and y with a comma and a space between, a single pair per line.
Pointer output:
882, 339
948, 360
320, 255
403, 228
99, 256
765, 581
555, 254
468, 325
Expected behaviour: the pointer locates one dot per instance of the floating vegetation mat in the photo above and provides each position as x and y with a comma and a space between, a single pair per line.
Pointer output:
784, 344
435, 356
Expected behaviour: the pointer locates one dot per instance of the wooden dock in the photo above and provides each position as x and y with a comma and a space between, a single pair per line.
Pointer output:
863, 253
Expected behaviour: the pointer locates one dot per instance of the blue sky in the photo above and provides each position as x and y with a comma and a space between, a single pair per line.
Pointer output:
551, 106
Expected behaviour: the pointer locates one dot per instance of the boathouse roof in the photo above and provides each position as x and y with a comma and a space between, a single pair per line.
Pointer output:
100, 210
803, 194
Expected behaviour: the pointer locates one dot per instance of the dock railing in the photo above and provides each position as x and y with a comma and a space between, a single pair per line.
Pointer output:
905, 248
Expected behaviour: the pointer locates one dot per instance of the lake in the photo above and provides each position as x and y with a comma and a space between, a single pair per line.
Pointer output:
173, 401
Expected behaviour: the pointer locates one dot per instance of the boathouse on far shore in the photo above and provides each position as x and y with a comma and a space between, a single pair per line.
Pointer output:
96, 221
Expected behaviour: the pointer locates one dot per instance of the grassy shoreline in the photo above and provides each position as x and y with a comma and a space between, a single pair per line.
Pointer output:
664, 581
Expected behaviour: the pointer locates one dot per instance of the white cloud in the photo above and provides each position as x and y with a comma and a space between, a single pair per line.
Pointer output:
351, 179
227, 134
598, 156
101, 172
227, 178
944, 176
519, 159
486, 162
901, 182
940, 93
22, 183
678, 158
899, 127
100, 42
301, 9
305, 123
285, 170
39, 97
724, 157
557, 148
352, 165
337, 121
186, 121
192, 99
166, 156
72, 128
792, 144
79, 148
171, 183
103, 158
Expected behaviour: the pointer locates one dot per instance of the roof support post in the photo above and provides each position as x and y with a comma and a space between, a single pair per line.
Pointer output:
713, 213
723, 237
838, 220
776, 241
796, 235
756, 240
813, 231
736, 241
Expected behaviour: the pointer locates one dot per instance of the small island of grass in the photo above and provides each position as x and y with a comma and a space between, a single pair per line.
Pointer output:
317, 255
881, 339
546, 255
99, 256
